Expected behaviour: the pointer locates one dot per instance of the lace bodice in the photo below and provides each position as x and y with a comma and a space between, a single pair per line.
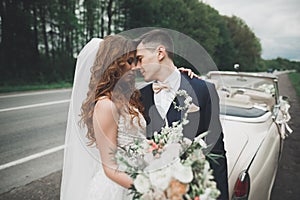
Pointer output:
129, 131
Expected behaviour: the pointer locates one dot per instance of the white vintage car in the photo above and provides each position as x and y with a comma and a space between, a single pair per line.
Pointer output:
254, 119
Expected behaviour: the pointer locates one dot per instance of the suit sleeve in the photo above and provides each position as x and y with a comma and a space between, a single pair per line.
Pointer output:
212, 116
215, 138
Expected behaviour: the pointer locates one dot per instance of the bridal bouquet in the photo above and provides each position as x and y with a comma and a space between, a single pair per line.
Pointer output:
169, 166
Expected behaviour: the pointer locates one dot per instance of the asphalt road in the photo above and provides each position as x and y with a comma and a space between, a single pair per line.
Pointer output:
32, 124
40, 178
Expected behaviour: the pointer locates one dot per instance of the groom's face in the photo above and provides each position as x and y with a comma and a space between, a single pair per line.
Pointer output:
147, 62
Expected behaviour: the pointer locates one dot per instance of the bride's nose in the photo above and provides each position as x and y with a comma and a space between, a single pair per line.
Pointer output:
135, 67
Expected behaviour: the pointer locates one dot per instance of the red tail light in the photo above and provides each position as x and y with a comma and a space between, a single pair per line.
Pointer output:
242, 186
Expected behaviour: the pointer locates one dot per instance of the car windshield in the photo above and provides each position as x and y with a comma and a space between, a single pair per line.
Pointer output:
245, 95
246, 82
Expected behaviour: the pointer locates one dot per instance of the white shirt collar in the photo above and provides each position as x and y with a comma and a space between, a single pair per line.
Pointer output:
164, 98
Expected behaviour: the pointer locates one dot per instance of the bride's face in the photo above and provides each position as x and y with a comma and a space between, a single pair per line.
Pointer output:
129, 73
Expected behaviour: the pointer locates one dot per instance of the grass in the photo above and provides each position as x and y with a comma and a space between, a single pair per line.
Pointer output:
295, 79
15, 88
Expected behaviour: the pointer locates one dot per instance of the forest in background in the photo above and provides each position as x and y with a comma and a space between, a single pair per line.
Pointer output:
39, 39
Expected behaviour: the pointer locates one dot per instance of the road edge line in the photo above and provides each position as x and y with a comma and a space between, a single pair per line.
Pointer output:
32, 157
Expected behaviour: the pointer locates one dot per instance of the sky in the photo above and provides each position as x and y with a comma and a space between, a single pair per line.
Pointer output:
275, 22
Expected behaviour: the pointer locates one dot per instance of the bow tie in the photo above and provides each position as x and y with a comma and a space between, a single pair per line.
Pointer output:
157, 87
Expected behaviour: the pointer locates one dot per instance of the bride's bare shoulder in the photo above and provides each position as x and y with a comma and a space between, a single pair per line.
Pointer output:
105, 105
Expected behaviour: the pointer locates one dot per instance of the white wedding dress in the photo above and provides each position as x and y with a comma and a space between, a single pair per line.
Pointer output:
82, 176
103, 188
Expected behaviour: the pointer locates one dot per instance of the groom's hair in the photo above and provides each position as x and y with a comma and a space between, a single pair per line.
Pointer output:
156, 37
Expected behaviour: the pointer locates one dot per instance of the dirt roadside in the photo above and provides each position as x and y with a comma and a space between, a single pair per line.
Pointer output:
286, 186
287, 182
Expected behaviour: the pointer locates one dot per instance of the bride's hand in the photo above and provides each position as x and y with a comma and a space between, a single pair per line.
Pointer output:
190, 73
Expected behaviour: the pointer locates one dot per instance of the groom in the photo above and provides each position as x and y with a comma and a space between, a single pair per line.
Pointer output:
155, 61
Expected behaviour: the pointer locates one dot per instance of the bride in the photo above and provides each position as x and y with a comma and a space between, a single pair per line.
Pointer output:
105, 113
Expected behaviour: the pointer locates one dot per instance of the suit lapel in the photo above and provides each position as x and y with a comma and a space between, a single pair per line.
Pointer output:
186, 85
191, 129
155, 121
174, 115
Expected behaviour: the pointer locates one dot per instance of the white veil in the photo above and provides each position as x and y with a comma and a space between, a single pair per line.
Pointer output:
80, 161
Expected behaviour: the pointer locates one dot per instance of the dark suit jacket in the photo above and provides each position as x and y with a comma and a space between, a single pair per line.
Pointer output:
205, 97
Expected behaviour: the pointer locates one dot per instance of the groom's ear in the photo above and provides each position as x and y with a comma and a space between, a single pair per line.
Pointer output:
161, 54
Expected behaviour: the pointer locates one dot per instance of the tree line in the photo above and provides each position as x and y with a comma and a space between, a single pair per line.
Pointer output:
39, 40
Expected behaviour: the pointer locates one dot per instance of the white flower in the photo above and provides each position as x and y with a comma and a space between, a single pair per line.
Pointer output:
185, 121
175, 135
154, 165
187, 141
161, 178
175, 123
202, 143
170, 153
199, 139
268, 88
155, 194
210, 194
202, 135
182, 173
188, 100
142, 183
206, 195
206, 174
155, 135
144, 146
198, 155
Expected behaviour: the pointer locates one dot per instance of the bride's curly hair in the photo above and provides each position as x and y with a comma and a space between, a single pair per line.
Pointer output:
106, 80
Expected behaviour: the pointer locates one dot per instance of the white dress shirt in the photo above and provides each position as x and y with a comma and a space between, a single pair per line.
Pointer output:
165, 97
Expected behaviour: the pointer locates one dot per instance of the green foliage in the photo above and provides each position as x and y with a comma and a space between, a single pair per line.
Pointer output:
35, 36
39, 39
279, 64
202, 25
60, 69
246, 45
295, 79
225, 53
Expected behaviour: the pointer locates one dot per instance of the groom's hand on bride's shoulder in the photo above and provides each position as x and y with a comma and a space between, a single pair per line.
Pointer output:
190, 73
